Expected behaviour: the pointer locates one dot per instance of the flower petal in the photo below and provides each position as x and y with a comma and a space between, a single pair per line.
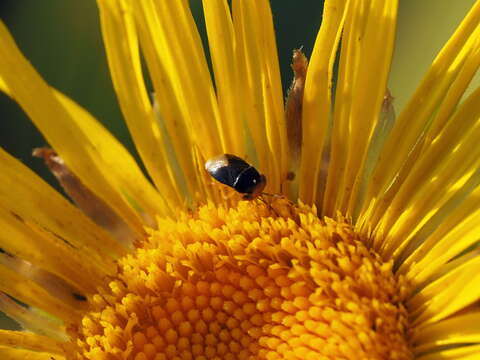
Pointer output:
24, 340
97, 158
223, 51
452, 292
48, 252
273, 87
317, 97
84, 199
443, 169
461, 353
31, 319
407, 139
226, 58
34, 295
9, 353
35, 204
121, 45
294, 119
3, 87
170, 35
460, 329
457, 89
187, 118
261, 92
456, 234
358, 97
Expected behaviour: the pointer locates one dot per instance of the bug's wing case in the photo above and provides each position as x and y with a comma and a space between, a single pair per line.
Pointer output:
226, 168
236, 162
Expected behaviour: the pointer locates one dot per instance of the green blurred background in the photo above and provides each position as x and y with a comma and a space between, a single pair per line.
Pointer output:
62, 40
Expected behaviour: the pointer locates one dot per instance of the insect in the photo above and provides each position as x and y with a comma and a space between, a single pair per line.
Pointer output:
238, 174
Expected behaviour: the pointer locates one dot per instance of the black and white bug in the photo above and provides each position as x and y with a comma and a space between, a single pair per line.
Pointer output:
238, 174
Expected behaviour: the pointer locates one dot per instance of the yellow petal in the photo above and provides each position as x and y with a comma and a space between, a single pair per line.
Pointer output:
410, 130
359, 97
31, 319
32, 294
448, 294
3, 87
317, 97
187, 118
48, 252
457, 232
380, 134
121, 45
457, 89
272, 87
8, 353
442, 170
101, 162
24, 340
37, 205
171, 35
261, 91
461, 353
223, 51
460, 329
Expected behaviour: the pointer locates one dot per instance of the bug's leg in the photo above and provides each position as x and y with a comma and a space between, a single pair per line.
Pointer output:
281, 210
278, 196
269, 205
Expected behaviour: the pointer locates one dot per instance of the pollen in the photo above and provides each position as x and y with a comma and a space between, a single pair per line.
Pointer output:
255, 281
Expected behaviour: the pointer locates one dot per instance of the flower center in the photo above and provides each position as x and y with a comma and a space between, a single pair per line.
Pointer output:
251, 282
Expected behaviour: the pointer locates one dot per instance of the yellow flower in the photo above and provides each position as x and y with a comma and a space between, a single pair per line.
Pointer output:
366, 250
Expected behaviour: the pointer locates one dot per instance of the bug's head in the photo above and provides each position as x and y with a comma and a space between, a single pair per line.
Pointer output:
258, 189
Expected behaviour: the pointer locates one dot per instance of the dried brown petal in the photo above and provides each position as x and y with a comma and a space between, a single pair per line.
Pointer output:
293, 110
84, 198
